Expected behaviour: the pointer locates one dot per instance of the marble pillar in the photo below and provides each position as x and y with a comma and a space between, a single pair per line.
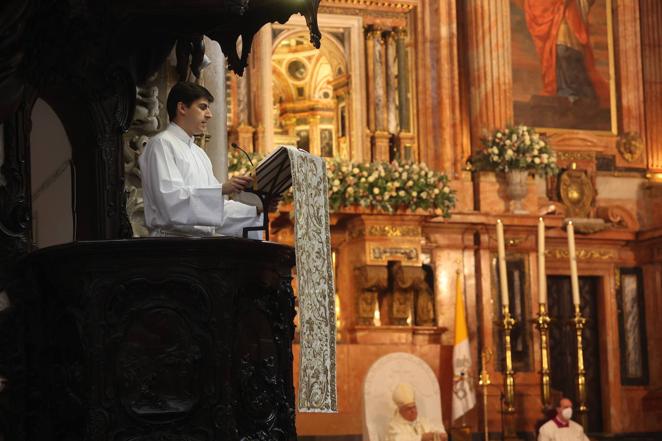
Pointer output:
651, 55
370, 77
404, 103
380, 82
214, 80
381, 137
629, 68
454, 146
489, 64
393, 123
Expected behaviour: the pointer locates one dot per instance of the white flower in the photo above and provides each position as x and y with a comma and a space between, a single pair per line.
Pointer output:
336, 183
375, 190
355, 170
446, 189
495, 150
498, 135
435, 191
536, 160
350, 190
414, 193
401, 193
409, 183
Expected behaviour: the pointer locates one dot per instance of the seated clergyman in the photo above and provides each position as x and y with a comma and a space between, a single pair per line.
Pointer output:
561, 427
406, 425
182, 196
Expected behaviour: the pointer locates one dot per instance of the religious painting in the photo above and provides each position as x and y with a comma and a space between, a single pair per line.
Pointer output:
632, 327
563, 64
518, 299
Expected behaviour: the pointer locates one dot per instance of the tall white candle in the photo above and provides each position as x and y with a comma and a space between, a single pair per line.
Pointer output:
501, 250
542, 273
572, 255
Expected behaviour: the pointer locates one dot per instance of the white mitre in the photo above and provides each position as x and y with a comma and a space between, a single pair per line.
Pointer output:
403, 394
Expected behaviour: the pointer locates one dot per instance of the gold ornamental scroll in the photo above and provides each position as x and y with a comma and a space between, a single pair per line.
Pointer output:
317, 364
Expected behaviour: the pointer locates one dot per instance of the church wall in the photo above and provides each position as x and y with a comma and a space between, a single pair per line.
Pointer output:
464, 87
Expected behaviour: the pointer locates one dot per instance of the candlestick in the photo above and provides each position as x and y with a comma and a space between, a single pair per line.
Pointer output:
542, 273
572, 255
501, 252
484, 381
542, 323
579, 323
509, 397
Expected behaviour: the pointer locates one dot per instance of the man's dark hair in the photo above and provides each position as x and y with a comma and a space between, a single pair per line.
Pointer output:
186, 93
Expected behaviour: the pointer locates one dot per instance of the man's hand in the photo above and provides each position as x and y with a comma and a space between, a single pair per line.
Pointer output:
236, 184
430, 436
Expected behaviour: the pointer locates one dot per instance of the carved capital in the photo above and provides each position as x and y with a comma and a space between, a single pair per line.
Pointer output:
371, 277
630, 146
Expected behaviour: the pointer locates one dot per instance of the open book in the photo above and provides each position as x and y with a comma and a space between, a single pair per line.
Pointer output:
271, 178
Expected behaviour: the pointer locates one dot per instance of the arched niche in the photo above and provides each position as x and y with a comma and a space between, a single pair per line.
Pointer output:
51, 178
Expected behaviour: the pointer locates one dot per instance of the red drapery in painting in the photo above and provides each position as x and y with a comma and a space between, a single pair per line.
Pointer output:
544, 18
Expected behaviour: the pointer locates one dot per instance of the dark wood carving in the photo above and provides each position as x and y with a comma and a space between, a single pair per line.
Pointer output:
185, 340
84, 59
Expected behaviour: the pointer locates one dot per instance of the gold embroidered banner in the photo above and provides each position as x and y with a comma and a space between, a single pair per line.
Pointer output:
317, 364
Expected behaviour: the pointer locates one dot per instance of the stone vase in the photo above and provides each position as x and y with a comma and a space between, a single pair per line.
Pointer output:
516, 190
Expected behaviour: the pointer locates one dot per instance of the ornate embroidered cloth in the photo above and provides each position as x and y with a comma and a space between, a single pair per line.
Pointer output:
317, 364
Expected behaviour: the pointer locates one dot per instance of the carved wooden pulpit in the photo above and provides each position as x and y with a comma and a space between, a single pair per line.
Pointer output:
158, 339
110, 338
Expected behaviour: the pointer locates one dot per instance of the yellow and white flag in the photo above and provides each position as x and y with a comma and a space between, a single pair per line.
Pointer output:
464, 394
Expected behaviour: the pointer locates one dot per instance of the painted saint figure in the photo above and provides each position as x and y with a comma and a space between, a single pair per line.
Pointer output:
560, 32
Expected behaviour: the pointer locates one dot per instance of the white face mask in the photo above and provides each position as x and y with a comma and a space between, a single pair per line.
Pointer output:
567, 413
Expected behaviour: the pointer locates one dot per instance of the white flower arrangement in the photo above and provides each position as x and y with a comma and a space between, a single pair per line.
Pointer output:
515, 148
378, 185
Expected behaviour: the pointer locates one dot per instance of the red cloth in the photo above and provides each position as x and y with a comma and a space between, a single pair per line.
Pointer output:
544, 18
559, 423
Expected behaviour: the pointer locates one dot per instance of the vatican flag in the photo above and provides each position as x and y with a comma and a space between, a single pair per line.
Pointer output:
464, 395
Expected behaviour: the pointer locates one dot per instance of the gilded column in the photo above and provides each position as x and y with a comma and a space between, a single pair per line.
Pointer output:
651, 55
489, 63
245, 132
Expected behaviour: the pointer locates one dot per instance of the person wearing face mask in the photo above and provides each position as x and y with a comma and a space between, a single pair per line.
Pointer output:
182, 196
561, 427
406, 425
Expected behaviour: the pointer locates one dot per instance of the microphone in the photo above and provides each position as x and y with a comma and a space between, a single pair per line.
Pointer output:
235, 146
